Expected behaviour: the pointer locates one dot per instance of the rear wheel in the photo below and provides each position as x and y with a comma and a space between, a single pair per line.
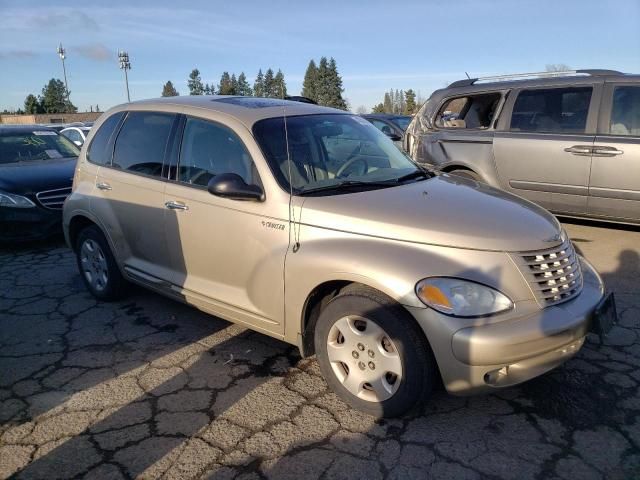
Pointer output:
372, 353
97, 266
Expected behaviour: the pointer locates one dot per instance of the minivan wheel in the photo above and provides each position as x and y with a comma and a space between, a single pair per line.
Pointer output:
98, 268
372, 353
466, 174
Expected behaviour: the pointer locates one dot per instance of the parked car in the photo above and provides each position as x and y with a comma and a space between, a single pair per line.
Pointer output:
36, 171
393, 126
306, 223
568, 141
77, 135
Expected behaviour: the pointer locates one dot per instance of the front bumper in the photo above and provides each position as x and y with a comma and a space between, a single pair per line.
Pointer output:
25, 224
479, 355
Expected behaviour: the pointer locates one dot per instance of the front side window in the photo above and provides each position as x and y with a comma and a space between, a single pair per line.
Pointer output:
472, 111
625, 111
209, 149
99, 152
142, 141
554, 110
328, 150
34, 145
72, 135
402, 122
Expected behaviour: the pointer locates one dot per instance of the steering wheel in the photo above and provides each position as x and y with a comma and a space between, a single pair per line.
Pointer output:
351, 159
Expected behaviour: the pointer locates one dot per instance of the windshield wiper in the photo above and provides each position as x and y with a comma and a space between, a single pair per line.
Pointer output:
415, 174
347, 184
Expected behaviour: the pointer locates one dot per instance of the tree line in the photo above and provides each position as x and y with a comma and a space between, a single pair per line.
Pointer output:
322, 84
53, 99
398, 102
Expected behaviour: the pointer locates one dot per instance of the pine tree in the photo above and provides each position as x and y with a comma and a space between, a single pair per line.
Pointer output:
379, 108
410, 102
244, 88
322, 83
225, 87
32, 104
209, 89
258, 85
279, 85
388, 104
310, 84
55, 98
335, 89
234, 84
168, 90
268, 84
195, 83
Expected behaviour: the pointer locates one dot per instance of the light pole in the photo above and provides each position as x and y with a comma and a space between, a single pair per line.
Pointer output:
62, 53
125, 65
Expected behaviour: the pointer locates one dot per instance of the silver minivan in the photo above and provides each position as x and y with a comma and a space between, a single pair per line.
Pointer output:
569, 141
307, 224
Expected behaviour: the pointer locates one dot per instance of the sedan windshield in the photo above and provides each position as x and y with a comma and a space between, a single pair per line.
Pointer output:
27, 146
331, 150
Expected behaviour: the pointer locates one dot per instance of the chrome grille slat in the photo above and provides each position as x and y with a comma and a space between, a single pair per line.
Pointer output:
554, 274
53, 199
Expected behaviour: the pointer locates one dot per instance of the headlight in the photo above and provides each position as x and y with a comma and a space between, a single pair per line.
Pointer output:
461, 298
15, 201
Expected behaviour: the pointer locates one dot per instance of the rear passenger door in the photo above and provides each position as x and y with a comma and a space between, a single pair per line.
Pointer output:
130, 195
614, 188
543, 151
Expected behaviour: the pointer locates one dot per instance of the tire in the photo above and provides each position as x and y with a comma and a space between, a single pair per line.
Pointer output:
98, 268
466, 174
384, 352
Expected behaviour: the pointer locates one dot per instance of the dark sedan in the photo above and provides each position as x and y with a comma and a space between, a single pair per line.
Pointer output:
36, 173
392, 126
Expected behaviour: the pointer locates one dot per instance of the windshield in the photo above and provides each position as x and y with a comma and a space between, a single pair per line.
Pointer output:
329, 149
36, 145
402, 122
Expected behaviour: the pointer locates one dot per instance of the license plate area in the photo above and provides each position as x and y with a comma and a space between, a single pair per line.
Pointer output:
605, 316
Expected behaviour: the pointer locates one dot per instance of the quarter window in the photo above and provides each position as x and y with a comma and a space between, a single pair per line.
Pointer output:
209, 149
557, 110
142, 141
625, 111
97, 152
473, 111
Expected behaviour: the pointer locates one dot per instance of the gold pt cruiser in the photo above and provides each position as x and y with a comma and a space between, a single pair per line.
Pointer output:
307, 224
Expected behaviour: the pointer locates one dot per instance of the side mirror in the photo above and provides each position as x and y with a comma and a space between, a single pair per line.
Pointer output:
231, 185
394, 137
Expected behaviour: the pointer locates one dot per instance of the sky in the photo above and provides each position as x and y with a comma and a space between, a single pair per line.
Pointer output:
378, 45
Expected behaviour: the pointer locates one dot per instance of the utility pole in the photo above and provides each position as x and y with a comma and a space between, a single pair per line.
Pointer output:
125, 65
62, 53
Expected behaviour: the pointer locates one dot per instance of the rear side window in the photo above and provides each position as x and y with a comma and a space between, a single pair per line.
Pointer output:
625, 111
97, 152
555, 110
142, 141
473, 111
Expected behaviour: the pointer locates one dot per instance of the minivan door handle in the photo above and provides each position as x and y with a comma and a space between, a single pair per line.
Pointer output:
579, 149
171, 205
103, 186
601, 151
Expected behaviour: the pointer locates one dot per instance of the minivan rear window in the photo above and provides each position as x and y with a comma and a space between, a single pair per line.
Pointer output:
97, 152
141, 143
553, 110
472, 111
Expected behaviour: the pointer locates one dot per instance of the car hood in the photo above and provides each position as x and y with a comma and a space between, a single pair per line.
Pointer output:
444, 210
24, 178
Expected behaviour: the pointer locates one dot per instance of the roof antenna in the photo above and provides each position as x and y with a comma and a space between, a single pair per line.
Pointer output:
292, 218
467, 75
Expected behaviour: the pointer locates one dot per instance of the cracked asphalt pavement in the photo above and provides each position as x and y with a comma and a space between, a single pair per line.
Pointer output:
150, 388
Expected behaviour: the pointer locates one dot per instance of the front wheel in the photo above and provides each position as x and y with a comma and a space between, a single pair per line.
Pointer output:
97, 266
372, 353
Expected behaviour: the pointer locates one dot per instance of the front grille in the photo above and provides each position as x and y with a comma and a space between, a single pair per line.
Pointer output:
554, 274
53, 199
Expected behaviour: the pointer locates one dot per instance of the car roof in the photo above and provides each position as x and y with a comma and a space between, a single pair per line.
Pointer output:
13, 129
385, 115
247, 110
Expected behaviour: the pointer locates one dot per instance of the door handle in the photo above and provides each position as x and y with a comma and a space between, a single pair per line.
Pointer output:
579, 149
606, 151
171, 205
103, 186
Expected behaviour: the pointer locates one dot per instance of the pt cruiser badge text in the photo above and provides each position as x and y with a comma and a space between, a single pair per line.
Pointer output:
277, 226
